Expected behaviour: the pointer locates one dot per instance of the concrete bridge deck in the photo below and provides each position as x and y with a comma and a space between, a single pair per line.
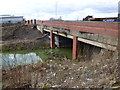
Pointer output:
100, 34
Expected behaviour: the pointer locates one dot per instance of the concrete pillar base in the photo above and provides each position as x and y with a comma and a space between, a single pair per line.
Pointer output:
52, 40
31, 21
74, 54
78, 49
34, 21
28, 22
42, 30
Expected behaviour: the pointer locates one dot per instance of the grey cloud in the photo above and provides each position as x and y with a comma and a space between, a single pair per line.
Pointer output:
67, 8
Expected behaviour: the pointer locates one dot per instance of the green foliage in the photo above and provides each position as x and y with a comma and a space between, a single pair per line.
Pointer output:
32, 48
43, 47
20, 48
47, 86
116, 84
76, 60
19, 66
47, 61
81, 52
58, 59
10, 49
5, 49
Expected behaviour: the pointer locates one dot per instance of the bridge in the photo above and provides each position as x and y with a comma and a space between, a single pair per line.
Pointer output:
100, 34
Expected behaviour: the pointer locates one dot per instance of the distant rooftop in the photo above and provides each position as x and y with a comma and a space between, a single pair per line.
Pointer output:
10, 16
6, 15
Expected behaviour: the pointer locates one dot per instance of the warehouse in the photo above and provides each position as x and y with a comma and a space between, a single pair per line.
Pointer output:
107, 19
8, 19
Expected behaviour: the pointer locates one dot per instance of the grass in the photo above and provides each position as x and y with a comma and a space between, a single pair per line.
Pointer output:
19, 66
58, 59
4, 49
76, 60
19, 48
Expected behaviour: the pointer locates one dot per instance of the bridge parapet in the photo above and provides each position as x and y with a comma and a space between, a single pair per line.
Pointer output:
109, 29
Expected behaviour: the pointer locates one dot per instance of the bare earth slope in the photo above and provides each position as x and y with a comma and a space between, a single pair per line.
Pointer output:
22, 36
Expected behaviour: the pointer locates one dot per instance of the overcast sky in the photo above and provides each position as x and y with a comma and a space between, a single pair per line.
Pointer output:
67, 9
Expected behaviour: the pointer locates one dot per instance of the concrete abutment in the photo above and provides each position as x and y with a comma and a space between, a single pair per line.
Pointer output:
52, 39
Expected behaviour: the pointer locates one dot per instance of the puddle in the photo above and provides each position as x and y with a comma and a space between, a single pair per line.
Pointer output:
24, 57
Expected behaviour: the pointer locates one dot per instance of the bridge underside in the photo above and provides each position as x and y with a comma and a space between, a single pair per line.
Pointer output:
98, 40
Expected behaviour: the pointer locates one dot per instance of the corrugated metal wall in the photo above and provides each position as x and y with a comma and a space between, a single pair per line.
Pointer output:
13, 20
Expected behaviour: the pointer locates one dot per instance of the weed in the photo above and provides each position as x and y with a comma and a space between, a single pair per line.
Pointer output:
58, 59
76, 60
19, 66
20, 48
4, 49
47, 86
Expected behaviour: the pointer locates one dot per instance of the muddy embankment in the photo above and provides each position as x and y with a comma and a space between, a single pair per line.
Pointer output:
61, 72
99, 72
17, 37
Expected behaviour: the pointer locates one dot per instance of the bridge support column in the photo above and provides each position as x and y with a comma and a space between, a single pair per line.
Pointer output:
28, 22
74, 52
23, 21
42, 30
31, 21
52, 39
34, 21
78, 49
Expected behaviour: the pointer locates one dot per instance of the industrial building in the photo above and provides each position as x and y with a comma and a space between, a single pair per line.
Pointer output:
107, 19
8, 19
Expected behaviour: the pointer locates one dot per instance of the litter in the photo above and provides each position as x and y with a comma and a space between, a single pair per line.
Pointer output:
82, 74
87, 71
